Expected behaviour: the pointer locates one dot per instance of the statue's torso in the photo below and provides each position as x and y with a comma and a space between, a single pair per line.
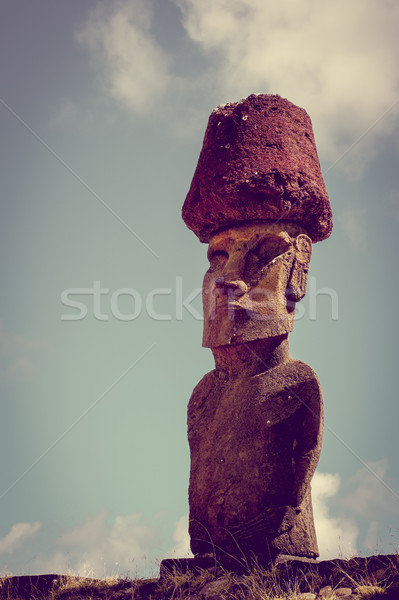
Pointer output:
244, 434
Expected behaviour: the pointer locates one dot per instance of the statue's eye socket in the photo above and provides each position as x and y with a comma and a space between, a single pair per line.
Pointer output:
217, 254
269, 248
217, 258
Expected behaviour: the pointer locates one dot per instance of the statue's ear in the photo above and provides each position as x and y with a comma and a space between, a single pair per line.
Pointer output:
296, 287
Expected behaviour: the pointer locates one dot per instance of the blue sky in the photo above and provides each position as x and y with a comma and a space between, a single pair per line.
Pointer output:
103, 107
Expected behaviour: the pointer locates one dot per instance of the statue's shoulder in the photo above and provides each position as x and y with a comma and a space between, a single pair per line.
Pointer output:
203, 389
302, 378
206, 383
297, 371
203, 402
292, 375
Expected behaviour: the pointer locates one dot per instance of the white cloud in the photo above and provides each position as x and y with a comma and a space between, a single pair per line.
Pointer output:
367, 493
366, 505
17, 353
91, 532
101, 547
336, 536
134, 66
181, 539
18, 534
337, 59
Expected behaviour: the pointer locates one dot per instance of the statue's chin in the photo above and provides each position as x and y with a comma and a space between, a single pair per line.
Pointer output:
228, 332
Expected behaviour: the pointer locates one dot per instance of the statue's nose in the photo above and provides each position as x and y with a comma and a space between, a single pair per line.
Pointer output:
237, 286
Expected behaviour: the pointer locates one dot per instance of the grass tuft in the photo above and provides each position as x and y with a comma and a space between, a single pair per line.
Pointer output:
370, 592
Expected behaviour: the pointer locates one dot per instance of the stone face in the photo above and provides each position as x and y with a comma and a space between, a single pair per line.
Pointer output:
258, 162
257, 274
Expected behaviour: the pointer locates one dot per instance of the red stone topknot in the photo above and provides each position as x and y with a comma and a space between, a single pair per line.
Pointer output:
258, 162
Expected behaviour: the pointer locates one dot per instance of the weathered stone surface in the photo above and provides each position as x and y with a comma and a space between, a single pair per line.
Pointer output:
255, 440
326, 593
255, 422
257, 274
258, 161
338, 573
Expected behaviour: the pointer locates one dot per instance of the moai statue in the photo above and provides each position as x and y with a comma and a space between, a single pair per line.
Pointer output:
255, 422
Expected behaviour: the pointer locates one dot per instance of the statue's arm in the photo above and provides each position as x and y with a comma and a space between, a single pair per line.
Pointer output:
307, 446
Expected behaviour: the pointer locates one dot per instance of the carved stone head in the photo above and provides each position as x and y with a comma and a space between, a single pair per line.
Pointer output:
258, 198
257, 273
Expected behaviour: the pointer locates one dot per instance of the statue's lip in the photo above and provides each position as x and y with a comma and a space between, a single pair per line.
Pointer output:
223, 301
224, 291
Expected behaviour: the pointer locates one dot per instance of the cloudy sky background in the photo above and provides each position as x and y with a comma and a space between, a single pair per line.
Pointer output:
103, 107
